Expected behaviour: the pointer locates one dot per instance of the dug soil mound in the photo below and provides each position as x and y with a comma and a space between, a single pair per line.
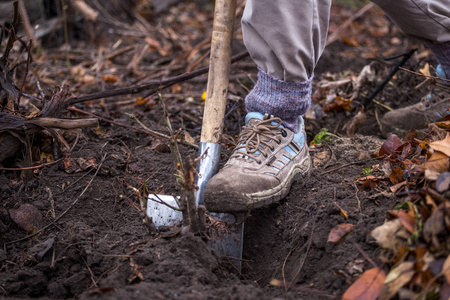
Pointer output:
102, 249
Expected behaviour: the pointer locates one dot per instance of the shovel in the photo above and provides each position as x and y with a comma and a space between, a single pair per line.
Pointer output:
228, 242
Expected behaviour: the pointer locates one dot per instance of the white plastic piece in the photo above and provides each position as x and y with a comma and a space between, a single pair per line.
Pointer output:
162, 214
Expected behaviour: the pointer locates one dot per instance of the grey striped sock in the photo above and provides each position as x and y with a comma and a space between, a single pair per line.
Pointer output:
286, 100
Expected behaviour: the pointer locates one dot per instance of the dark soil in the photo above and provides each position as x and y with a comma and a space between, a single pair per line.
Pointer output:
103, 250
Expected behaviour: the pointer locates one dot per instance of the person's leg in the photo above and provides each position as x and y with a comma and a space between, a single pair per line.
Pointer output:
428, 21
285, 38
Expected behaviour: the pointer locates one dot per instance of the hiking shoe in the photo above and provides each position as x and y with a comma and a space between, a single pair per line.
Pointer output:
433, 107
265, 162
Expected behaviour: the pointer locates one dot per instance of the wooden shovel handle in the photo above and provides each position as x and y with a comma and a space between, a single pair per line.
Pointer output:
219, 71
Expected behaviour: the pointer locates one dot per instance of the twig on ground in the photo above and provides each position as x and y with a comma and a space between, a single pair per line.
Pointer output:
380, 126
67, 210
12, 34
33, 167
26, 21
367, 102
90, 272
146, 128
100, 216
365, 255
26, 70
160, 201
382, 105
357, 198
88, 12
152, 132
156, 85
423, 75
349, 164
72, 184
63, 123
52, 202
308, 246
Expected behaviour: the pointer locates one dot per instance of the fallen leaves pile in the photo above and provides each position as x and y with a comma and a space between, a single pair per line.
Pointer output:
415, 236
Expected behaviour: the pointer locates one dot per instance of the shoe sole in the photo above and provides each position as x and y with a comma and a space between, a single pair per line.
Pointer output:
259, 199
279, 192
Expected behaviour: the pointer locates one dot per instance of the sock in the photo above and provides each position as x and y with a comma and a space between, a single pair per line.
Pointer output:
282, 99
442, 53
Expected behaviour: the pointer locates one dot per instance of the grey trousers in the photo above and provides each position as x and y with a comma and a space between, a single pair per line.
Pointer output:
286, 38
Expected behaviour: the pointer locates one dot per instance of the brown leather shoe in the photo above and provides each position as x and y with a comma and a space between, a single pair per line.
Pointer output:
433, 107
261, 169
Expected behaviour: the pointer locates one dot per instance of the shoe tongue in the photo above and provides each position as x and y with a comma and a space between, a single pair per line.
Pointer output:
252, 117
440, 72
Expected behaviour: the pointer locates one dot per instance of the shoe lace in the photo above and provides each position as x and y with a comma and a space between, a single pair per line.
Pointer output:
255, 140
439, 89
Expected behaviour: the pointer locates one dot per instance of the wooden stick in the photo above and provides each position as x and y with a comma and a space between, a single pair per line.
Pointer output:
33, 167
88, 12
63, 123
219, 71
26, 21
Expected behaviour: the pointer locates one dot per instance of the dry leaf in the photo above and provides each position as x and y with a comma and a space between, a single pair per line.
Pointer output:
395, 188
339, 104
321, 158
390, 235
390, 145
339, 232
70, 165
188, 137
110, 78
442, 145
438, 162
431, 175
351, 41
425, 70
407, 221
410, 136
435, 225
276, 282
396, 175
443, 182
86, 163
367, 287
397, 278
369, 181
430, 201
443, 124
342, 212
357, 121
46, 157
88, 79
163, 148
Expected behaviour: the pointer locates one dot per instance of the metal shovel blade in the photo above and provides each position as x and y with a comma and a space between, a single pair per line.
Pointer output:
227, 242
